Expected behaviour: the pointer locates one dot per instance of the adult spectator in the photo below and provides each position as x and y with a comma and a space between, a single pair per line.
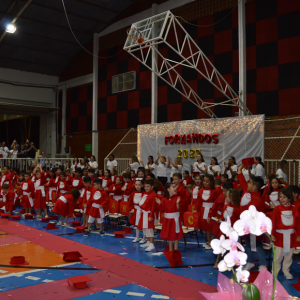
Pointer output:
134, 164
14, 143
31, 150
230, 168
176, 166
14, 156
75, 165
22, 152
259, 169
4, 150
150, 164
93, 164
281, 172
198, 168
42, 159
112, 163
214, 166
81, 164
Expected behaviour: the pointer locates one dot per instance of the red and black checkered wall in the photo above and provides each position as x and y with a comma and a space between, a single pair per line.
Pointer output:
273, 77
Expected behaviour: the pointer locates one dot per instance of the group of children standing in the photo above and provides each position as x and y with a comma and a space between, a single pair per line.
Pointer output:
210, 200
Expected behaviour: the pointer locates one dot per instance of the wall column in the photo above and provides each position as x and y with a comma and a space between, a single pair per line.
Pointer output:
242, 53
63, 120
95, 97
154, 77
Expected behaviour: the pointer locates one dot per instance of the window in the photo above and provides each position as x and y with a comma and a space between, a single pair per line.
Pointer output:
123, 82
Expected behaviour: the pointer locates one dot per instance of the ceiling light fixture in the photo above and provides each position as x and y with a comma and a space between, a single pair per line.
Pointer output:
10, 28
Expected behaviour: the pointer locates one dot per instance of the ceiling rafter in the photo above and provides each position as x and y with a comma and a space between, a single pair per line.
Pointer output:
99, 6
69, 14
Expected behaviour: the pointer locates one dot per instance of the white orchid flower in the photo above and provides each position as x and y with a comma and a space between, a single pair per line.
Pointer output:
242, 276
263, 224
245, 226
223, 267
235, 258
217, 245
233, 244
225, 227
251, 213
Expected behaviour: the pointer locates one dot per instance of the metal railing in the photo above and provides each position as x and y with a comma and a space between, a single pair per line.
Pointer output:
24, 163
123, 163
293, 169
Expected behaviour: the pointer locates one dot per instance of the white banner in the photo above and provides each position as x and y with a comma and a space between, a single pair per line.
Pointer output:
241, 137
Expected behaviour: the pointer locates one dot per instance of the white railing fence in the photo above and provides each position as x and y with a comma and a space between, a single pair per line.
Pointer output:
24, 163
123, 164
293, 169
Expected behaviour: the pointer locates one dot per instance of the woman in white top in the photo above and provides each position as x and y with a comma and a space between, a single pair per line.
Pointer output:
112, 163
14, 156
81, 164
93, 164
176, 167
150, 164
281, 172
259, 169
214, 166
134, 164
161, 163
231, 167
75, 165
198, 168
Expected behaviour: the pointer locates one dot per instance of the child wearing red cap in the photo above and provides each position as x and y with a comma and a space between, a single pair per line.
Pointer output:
170, 206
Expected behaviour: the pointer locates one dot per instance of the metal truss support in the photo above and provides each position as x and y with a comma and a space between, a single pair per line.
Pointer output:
187, 55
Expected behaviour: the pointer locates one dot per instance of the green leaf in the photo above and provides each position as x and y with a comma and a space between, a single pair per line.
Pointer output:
252, 292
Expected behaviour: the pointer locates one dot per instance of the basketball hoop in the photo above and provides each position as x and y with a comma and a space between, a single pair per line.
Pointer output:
139, 39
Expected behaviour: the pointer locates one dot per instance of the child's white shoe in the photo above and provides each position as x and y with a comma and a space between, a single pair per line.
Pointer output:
142, 241
150, 248
60, 223
146, 245
66, 225
288, 275
135, 240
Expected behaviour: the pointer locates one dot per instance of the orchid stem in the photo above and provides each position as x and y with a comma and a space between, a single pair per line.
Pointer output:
274, 266
234, 276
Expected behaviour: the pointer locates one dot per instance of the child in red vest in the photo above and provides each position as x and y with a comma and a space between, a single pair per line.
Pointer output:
187, 179
170, 206
206, 198
62, 185
27, 193
252, 196
51, 187
7, 198
198, 180
135, 210
68, 176
6, 178
285, 231
98, 203
272, 195
106, 181
146, 223
182, 193
39, 194
64, 206
215, 213
128, 186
